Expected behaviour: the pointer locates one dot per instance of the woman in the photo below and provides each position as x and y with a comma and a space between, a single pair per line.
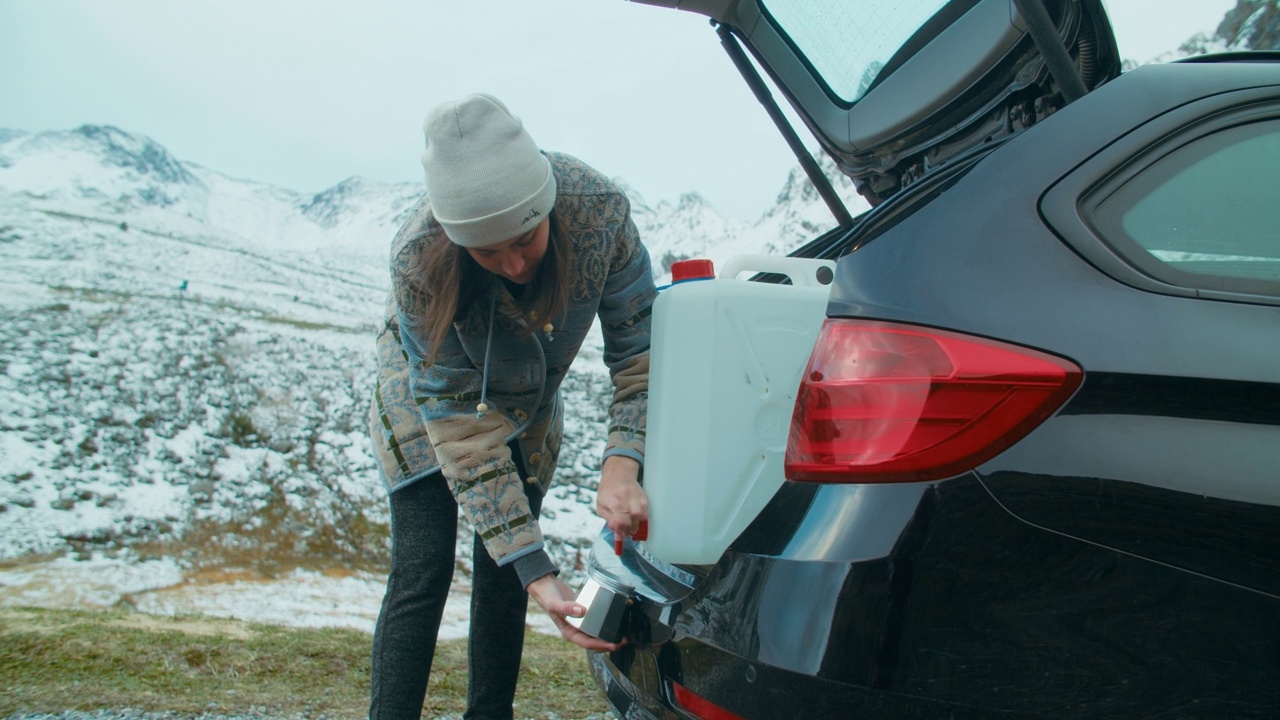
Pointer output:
497, 276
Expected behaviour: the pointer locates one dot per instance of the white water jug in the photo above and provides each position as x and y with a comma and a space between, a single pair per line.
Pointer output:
725, 363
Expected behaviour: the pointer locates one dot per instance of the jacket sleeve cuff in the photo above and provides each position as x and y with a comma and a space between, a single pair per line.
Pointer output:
624, 452
533, 566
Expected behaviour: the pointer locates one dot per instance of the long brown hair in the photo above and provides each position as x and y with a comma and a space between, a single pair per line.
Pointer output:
446, 285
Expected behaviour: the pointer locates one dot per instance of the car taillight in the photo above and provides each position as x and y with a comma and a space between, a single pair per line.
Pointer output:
699, 706
884, 402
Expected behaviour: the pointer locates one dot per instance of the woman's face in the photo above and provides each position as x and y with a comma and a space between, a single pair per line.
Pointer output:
516, 259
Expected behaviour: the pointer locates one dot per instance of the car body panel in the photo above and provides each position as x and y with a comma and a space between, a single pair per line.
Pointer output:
1121, 560
1177, 414
1045, 625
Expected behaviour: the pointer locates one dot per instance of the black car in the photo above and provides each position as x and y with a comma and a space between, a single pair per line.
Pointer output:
1034, 463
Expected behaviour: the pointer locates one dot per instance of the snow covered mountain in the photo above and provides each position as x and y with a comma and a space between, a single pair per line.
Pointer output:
186, 357
691, 228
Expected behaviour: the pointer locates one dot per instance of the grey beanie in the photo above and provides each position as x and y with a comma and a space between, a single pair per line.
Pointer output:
486, 179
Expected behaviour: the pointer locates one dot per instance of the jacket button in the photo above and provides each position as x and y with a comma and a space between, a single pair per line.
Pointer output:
531, 480
524, 436
521, 415
535, 459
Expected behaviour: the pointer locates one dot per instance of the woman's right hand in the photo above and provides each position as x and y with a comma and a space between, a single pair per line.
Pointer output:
557, 599
621, 500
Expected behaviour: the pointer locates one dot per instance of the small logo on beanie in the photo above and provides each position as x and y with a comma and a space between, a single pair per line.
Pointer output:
532, 214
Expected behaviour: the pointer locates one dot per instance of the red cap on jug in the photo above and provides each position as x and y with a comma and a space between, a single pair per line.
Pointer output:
642, 533
696, 269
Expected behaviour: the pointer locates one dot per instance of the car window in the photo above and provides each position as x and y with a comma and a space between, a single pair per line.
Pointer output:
1205, 215
849, 44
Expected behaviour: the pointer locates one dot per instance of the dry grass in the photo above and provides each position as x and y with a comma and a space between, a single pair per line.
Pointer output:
58, 660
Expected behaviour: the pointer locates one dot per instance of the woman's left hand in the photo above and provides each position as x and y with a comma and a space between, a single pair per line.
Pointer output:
620, 500
557, 599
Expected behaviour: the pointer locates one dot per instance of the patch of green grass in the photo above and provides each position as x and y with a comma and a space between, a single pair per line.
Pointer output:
58, 660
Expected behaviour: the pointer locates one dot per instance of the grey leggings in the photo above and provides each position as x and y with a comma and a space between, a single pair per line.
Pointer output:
424, 528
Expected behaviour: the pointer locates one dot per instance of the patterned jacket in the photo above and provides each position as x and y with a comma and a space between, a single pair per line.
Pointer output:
424, 418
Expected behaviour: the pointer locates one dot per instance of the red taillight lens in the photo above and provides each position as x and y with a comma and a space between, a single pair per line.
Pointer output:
882, 402
699, 706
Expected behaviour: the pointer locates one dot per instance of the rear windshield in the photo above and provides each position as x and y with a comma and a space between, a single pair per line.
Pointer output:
850, 44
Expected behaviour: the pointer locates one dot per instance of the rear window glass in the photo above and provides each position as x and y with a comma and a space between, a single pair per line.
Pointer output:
1207, 214
849, 44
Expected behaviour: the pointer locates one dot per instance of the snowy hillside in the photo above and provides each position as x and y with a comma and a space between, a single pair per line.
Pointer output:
187, 357
691, 228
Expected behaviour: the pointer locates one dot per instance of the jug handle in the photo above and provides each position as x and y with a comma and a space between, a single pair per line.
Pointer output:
803, 272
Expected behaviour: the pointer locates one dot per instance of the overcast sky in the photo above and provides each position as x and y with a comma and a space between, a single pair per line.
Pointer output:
305, 93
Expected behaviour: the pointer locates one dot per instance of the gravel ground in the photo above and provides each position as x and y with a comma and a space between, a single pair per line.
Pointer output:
128, 714
131, 714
